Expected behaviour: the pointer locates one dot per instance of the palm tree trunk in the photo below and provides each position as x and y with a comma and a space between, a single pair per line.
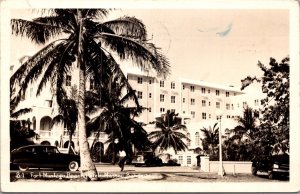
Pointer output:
87, 167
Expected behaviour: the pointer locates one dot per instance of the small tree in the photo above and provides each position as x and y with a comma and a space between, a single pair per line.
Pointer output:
68, 114
169, 133
210, 141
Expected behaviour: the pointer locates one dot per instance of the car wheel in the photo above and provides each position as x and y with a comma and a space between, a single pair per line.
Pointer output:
23, 167
254, 170
73, 166
270, 175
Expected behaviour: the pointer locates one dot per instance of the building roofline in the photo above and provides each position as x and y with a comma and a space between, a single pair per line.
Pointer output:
211, 85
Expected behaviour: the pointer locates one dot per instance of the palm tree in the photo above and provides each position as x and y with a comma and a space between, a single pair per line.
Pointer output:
170, 133
68, 114
116, 120
91, 42
211, 140
241, 142
246, 127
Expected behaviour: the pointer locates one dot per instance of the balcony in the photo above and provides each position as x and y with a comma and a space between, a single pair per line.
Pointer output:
45, 134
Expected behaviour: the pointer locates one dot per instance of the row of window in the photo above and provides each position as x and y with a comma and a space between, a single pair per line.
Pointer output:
173, 100
188, 159
192, 88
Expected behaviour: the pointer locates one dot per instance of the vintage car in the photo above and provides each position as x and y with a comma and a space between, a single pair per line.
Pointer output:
147, 158
275, 166
43, 156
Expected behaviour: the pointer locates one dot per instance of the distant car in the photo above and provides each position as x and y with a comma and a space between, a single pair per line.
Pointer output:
276, 165
146, 159
43, 156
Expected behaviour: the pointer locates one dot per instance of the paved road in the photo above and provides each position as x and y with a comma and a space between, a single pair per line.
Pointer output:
144, 169
131, 173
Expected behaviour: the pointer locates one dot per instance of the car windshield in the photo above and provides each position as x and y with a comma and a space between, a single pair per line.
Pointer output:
52, 150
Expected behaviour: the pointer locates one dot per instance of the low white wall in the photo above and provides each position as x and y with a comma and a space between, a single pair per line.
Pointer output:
231, 166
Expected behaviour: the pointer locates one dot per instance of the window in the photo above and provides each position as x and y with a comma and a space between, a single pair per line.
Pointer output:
218, 104
183, 112
140, 94
183, 100
162, 109
234, 94
193, 114
197, 139
172, 110
227, 106
162, 98
68, 80
149, 109
228, 117
150, 95
217, 92
192, 88
232, 107
227, 94
208, 103
188, 135
209, 116
172, 99
172, 85
189, 160
162, 83
180, 159
256, 102
208, 91
192, 101
150, 81
183, 87
140, 80
203, 103
203, 115
203, 90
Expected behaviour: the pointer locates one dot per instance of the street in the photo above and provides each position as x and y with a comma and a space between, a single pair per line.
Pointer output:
110, 173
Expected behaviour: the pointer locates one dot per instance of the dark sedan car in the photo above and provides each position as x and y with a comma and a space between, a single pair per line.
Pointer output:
146, 158
276, 165
43, 156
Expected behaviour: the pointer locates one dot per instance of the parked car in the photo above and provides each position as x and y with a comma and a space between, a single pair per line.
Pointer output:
43, 156
146, 158
276, 165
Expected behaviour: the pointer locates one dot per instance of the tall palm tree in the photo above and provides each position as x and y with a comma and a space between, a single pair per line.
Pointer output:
211, 140
170, 133
91, 42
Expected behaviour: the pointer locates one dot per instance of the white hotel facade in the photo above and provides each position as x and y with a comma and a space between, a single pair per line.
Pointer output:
195, 101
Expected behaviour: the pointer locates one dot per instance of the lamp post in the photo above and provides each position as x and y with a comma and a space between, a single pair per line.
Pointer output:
221, 171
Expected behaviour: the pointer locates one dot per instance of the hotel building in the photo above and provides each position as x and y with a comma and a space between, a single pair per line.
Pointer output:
196, 101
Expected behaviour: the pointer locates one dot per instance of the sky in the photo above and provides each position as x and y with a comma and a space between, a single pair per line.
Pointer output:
214, 45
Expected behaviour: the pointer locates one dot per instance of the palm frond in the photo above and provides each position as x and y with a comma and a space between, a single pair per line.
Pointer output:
139, 53
36, 30
129, 27
20, 112
18, 76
